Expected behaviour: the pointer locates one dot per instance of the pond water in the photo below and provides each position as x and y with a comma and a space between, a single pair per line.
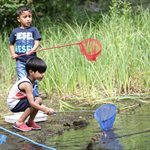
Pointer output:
131, 131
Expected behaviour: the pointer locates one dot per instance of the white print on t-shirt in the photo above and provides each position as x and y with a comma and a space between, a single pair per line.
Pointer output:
24, 35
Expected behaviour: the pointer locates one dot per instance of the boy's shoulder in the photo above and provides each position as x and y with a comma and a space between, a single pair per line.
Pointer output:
24, 79
18, 29
32, 29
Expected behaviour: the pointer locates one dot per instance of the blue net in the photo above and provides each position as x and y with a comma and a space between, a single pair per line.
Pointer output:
105, 115
2, 138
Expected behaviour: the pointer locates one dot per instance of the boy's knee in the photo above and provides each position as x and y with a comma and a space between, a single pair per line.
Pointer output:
38, 100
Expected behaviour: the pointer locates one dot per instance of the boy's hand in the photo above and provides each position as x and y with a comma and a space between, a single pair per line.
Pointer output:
30, 52
14, 56
50, 111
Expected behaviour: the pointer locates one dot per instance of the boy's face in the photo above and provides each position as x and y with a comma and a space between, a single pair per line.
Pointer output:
25, 19
36, 75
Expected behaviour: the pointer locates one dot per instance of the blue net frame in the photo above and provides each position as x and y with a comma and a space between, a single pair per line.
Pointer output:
105, 115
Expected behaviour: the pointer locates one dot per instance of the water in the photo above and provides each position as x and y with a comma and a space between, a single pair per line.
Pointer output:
131, 131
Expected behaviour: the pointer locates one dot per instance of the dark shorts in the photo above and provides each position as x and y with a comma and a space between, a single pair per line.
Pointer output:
21, 106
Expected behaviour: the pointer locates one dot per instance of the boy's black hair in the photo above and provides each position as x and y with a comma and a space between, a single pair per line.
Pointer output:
35, 64
21, 9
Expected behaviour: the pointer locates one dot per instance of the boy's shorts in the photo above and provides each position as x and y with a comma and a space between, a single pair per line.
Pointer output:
21, 106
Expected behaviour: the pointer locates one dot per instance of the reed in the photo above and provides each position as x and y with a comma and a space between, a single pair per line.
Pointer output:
7, 65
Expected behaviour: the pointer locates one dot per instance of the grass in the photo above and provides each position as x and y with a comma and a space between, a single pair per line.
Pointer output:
122, 68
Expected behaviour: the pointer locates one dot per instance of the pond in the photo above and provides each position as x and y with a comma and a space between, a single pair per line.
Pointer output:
131, 131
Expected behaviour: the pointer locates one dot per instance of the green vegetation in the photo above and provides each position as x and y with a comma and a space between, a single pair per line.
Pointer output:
121, 69
56, 11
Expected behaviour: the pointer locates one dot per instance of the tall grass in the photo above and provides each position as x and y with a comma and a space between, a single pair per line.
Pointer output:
122, 68
7, 66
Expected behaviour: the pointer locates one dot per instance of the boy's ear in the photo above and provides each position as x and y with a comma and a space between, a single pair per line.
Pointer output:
18, 19
30, 71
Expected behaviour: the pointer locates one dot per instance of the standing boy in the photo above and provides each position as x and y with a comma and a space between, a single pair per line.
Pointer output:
24, 40
21, 96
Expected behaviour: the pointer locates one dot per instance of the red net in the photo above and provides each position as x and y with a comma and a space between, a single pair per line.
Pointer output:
90, 48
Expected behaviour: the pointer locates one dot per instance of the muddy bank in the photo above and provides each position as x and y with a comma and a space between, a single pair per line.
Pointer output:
56, 124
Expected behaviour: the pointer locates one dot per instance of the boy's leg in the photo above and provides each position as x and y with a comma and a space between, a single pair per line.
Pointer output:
34, 112
20, 67
30, 112
31, 123
35, 89
38, 100
20, 124
23, 105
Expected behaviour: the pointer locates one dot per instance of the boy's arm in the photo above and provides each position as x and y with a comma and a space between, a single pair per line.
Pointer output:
12, 51
35, 47
28, 90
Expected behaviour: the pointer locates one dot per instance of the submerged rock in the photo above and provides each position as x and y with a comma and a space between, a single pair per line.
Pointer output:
80, 123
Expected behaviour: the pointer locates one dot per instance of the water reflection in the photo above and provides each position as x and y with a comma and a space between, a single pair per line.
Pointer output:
131, 134
105, 141
109, 141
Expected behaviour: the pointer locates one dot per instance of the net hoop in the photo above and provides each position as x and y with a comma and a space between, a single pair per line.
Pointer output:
94, 52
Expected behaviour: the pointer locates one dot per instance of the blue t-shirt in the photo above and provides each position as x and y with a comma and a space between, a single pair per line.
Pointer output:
24, 40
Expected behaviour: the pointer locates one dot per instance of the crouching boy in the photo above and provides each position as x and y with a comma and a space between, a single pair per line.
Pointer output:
21, 98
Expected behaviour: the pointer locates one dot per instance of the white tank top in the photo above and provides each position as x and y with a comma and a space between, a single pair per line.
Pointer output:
15, 94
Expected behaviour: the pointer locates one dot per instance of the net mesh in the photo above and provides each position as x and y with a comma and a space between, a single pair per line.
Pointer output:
105, 115
90, 48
